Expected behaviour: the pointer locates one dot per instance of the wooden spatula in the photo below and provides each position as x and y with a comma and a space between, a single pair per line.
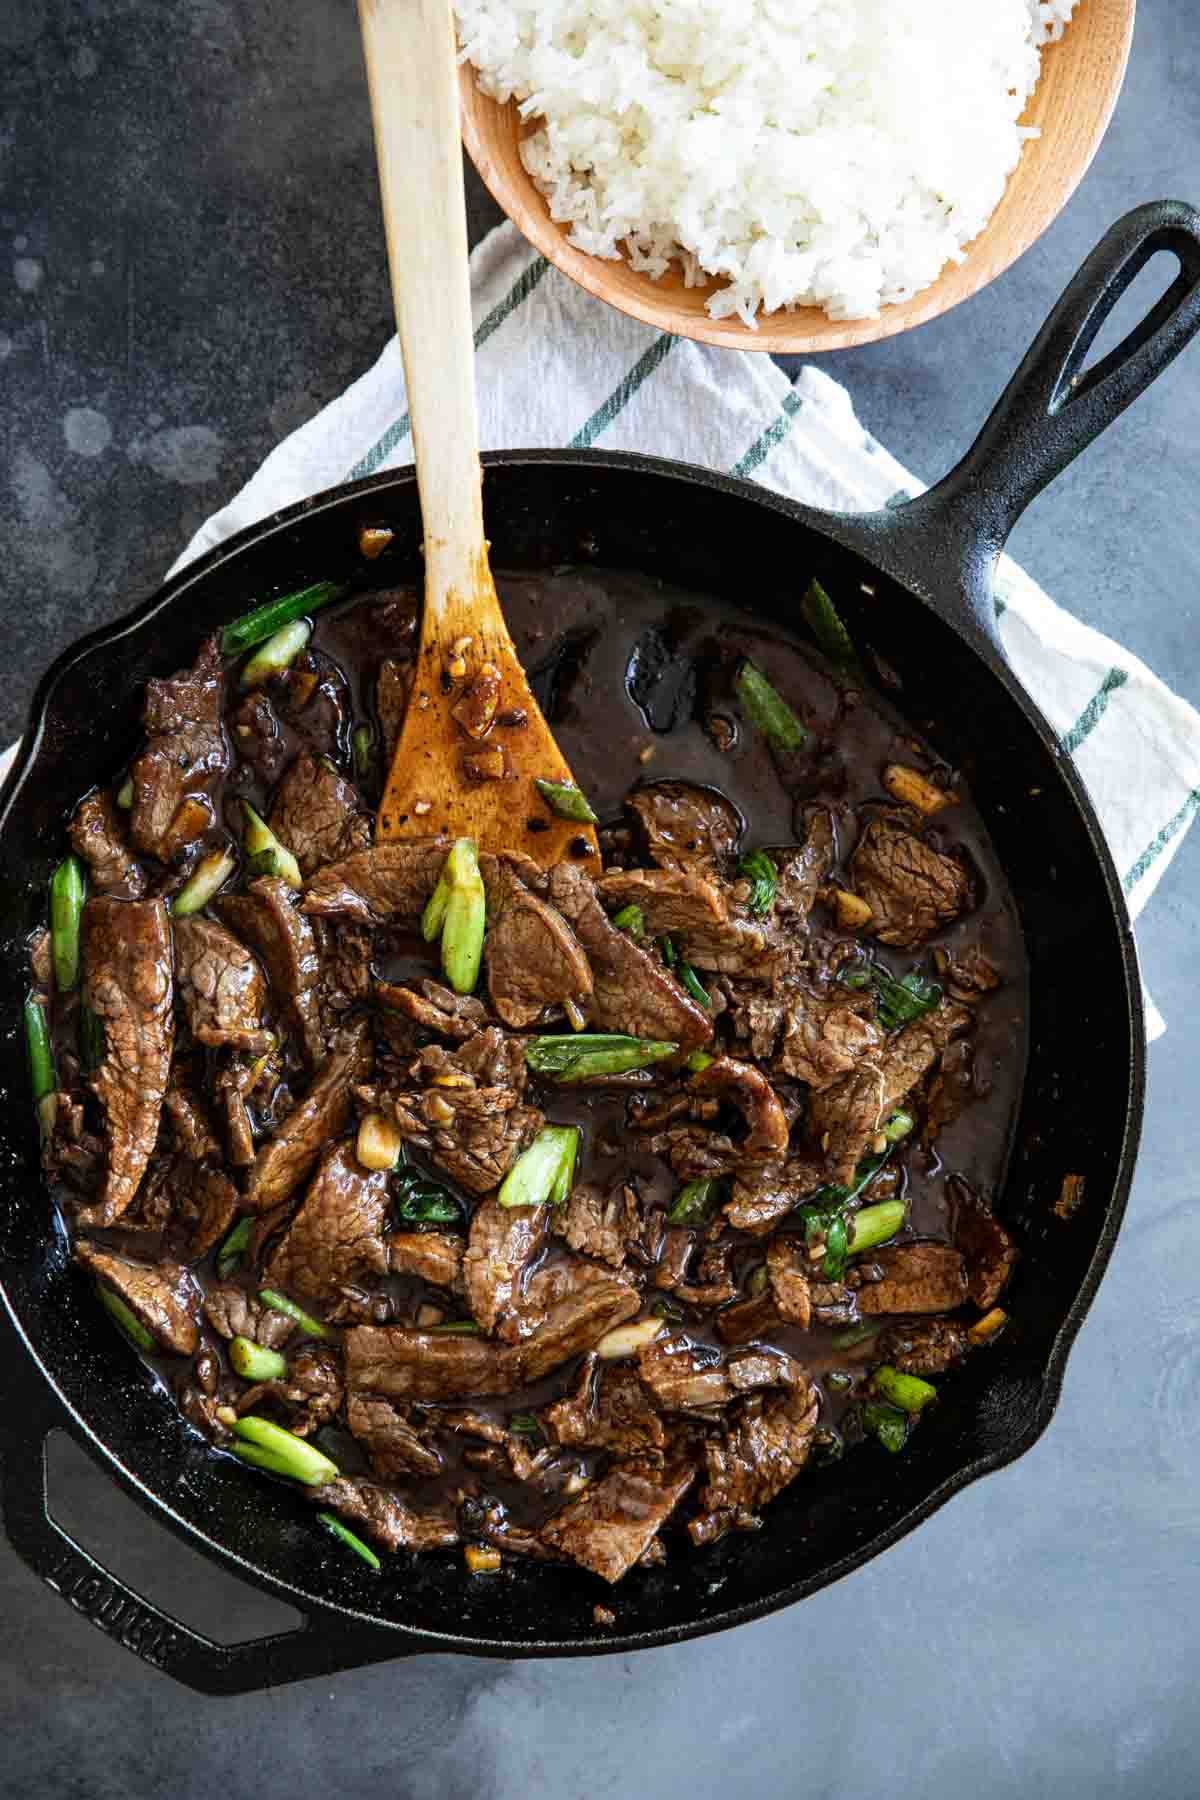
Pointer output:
474, 740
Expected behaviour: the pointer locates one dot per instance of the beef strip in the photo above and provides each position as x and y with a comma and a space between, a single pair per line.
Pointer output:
922, 1347
684, 1377
802, 868
428, 1003
191, 1128
220, 987
229, 1093
257, 739
391, 703
232, 1312
670, 899
823, 1036
676, 1252
968, 974
384, 1516
608, 1526
265, 917
693, 829
763, 1196
286, 1158
951, 1090
632, 991
747, 1088
162, 1296
917, 1278
987, 1249
97, 834
337, 1235
344, 949
315, 814
761, 1450
502, 1242
390, 883
188, 1205
608, 1412
185, 754
912, 889
789, 1275
844, 1118
394, 1446
128, 967
309, 1394
435, 1257
599, 1225
533, 960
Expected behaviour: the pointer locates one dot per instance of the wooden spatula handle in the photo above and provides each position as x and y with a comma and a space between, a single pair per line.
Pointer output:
412, 70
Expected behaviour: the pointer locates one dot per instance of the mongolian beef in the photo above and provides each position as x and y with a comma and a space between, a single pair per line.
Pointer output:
566, 1214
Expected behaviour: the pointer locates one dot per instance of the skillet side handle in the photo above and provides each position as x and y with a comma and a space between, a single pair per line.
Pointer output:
1050, 411
320, 1646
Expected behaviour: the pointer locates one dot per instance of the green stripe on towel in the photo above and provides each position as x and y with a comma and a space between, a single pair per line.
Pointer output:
1158, 844
623, 393
776, 431
1094, 711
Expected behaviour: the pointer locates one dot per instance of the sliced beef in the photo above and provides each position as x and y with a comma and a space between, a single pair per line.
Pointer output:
922, 1347
917, 1278
344, 949
232, 1312
533, 960
761, 1450
315, 814
502, 1243
395, 1447
185, 753
308, 1395
748, 1319
844, 1118
678, 1248
282, 1163
762, 1197
229, 1093
189, 1205
266, 918
609, 1526
632, 991
952, 1089
574, 1306
337, 1235
611, 1411
969, 974
599, 1225
670, 899
436, 1008
128, 968
384, 1516
432, 1256
257, 738
191, 1128
390, 883
987, 1249
694, 829
824, 1035
464, 1110
789, 1278
391, 703
162, 1296
97, 834
220, 987
912, 889
803, 868
747, 1088
685, 1377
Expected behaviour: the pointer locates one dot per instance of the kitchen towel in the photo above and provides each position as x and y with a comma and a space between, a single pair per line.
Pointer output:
556, 367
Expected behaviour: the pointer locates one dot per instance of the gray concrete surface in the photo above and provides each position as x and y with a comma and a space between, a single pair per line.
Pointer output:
194, 265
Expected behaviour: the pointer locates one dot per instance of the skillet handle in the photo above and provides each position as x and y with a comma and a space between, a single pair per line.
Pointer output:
1050, 412
321, 1646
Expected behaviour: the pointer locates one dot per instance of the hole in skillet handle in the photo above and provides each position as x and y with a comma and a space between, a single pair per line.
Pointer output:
945, 543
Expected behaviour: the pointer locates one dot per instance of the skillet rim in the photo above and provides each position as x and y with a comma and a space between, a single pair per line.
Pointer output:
880, 539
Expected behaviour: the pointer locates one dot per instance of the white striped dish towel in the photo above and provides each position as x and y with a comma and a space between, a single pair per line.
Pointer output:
556, 367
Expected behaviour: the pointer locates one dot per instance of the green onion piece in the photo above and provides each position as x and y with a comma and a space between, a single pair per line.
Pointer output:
260, 841
210, 873
40, 1054
264, 621
699, 1060
273, 657
565, 800
542, 1175
336, 1529
585, 1054
697, 1201
886, 1423
362, 742
832, 637
66, 908
280, 1303
837, 1249
908, 1392
855, 1334
839, 1380
632, 919
458, 1328
874, 1225
466, 918
763, 876
900, 1002
856, 979
230, 1253
255, 1363
670, 1310
91, 1037
667, 949
420, 1201
288, 1454
898, 1126
834, 1194
129, 1323
525, 1425
434, 915
125, 794
692, 984
768, 711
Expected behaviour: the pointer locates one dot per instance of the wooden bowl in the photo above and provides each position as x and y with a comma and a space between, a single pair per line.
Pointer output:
1081, 78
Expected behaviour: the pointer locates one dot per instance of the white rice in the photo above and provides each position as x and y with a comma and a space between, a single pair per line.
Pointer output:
832, 153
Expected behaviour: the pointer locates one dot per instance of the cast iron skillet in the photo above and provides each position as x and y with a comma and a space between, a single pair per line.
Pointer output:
920, 577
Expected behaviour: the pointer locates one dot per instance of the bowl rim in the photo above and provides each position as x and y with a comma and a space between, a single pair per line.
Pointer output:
807, 330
